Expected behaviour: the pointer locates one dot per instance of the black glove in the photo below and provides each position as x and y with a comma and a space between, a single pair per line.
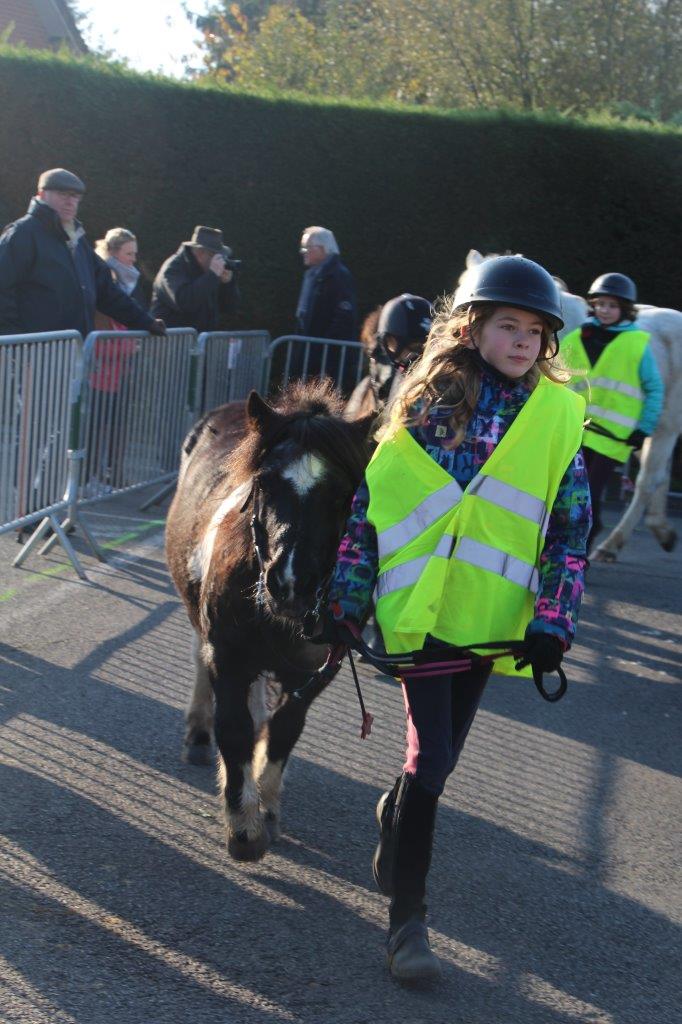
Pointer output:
157, 327
543, 652
636, 439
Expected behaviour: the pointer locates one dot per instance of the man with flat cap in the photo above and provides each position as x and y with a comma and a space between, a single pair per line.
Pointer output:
196, 285
51, 279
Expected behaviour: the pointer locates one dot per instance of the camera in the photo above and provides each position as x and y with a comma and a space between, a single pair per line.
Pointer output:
229, 262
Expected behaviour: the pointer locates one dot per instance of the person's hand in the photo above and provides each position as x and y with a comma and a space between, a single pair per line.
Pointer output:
217, 265
544, 653
158, 327
636, 439
226, 275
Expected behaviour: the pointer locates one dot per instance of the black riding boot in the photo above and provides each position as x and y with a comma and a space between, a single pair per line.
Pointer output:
401, 864
382, 864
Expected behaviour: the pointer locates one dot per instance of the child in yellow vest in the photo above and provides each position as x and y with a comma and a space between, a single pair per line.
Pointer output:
471, 522
621, 381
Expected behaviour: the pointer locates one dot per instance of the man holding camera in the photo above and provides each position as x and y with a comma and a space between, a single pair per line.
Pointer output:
196, 285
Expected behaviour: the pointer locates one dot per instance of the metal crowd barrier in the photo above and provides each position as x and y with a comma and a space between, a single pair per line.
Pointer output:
137, 408
231, 364
40, 378
294, 356
84, 421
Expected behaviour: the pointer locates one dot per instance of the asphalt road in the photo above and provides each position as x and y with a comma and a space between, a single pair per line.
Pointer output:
555, 888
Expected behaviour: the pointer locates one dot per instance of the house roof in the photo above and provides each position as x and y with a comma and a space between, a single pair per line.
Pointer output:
41, 24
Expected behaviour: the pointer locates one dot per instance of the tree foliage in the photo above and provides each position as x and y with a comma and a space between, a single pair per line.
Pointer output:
624, 56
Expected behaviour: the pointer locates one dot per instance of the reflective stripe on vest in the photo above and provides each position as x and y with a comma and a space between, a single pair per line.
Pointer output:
471, 551
611, 416
407, 574
430, 510
617, 385
513, 499
486, 557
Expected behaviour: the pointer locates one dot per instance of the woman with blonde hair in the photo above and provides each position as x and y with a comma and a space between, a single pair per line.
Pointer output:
119, 251
472, 524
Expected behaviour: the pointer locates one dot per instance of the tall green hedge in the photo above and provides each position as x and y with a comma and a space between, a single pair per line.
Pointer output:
407, 193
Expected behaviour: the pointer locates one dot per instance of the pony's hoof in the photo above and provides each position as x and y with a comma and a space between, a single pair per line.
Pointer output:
197, 753
670, 541
602, 555
272, 826
240, 847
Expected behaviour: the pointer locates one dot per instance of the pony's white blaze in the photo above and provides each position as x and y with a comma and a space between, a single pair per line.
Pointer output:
305, 473
200, 559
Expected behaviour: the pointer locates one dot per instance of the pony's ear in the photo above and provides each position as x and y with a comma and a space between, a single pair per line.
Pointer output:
474, 259
258, 413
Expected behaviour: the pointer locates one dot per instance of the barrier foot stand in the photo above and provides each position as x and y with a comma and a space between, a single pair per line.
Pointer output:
33, 541
76, 522
157, 498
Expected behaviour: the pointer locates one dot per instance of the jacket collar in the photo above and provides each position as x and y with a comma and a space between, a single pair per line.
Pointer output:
49, 219
326, 268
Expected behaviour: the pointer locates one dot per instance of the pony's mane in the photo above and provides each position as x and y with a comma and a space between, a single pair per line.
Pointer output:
308, 414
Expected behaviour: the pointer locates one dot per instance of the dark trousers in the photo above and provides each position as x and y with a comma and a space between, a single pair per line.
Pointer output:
440, 712
599, 470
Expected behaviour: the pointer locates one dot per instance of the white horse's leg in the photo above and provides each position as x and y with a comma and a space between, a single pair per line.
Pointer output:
199, 714
653, 477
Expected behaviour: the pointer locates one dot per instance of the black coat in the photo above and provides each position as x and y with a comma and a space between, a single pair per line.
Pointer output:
184, 295
46, 287
332, 307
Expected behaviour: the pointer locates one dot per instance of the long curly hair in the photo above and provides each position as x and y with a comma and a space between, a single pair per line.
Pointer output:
448, 372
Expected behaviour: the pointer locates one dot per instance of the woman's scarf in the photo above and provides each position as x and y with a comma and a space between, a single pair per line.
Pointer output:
127, 277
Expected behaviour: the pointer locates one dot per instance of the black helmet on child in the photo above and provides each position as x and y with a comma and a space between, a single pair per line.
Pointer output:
408, 319
512, 281
620, 286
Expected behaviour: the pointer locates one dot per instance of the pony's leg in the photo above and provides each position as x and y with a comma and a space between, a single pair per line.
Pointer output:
247, 838
652, 477
196, 748
286, 725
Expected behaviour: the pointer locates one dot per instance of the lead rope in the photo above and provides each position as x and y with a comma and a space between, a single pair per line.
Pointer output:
367, 719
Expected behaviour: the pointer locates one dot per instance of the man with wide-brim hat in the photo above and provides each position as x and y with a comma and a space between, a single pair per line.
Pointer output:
196, 286
51, 279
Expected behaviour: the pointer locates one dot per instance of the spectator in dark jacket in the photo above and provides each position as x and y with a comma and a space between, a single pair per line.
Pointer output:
50, 277
196, 285
327, 306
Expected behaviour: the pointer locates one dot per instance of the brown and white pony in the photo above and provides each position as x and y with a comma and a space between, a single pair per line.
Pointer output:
251, 540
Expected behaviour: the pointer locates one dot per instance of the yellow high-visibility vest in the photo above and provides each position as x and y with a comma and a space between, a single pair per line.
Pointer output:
462, 566
612, 387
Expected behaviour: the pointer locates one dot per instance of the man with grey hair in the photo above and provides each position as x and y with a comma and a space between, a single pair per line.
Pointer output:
327, 305
51, 279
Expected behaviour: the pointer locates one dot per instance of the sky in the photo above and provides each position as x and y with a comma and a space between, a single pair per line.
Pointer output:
154, 35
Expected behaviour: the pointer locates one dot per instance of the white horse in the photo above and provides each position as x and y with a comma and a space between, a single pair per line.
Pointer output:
653, 479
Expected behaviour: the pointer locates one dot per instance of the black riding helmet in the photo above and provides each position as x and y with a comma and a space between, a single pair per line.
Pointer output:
619, 286
512, 281
408, 319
